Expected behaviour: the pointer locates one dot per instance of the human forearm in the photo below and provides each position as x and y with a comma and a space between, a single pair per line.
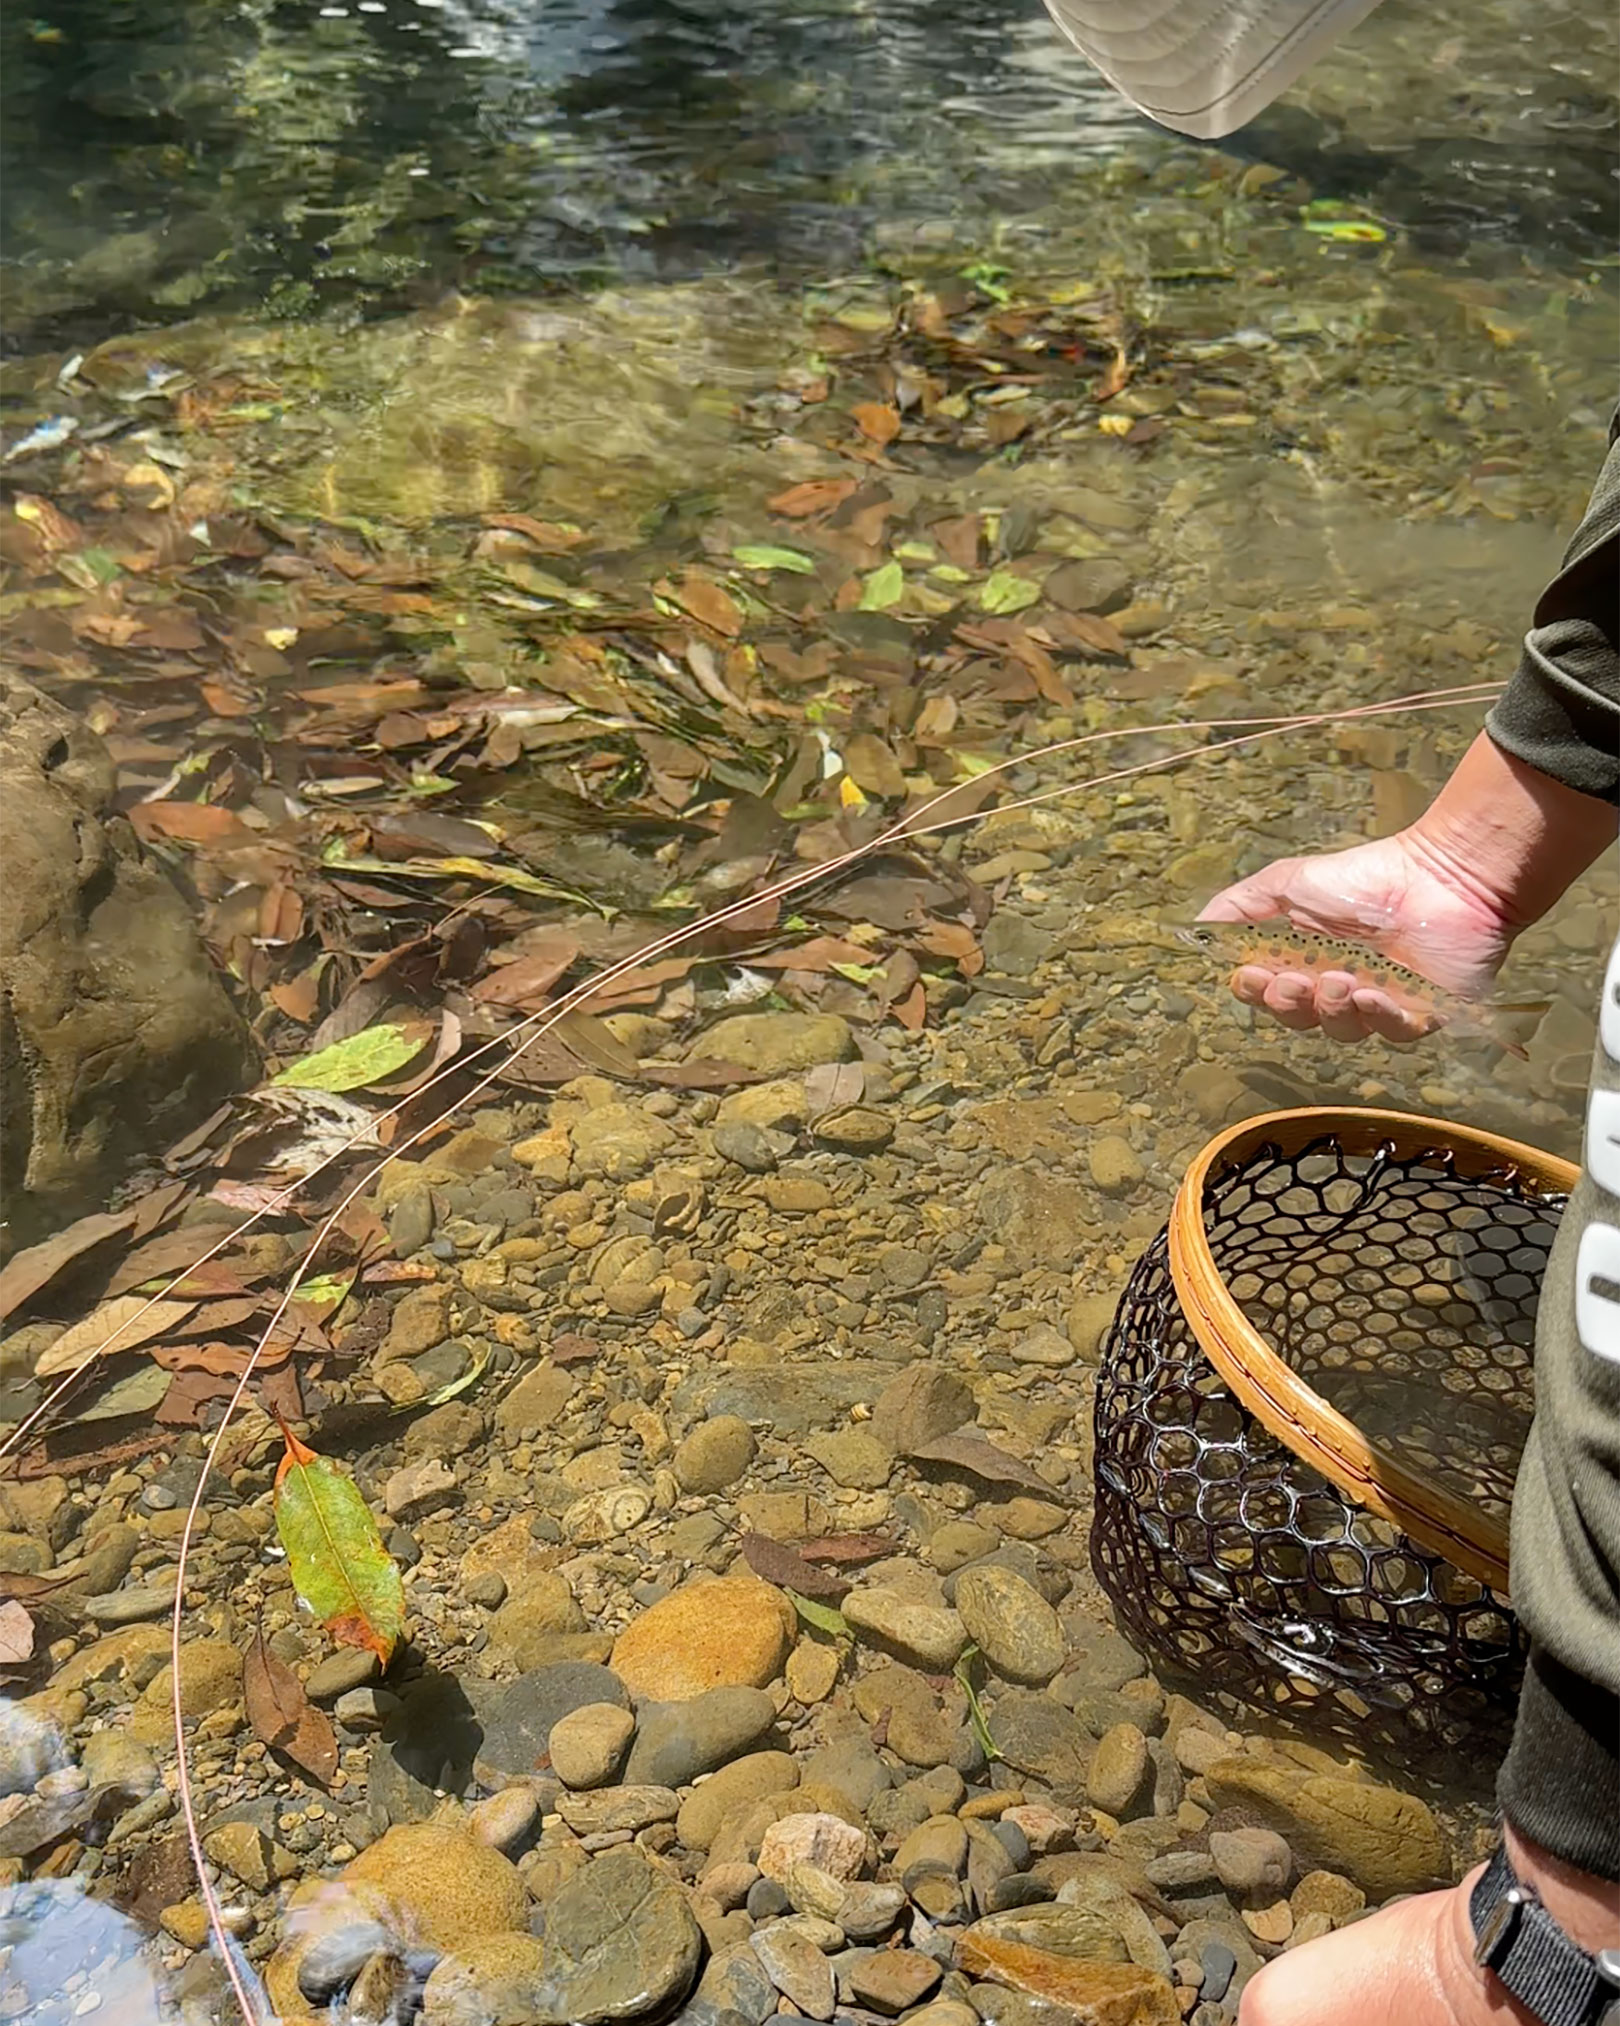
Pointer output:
1508, 835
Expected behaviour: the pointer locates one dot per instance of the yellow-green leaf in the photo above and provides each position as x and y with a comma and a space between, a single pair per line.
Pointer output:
822, 1616
451, 1387
1005, 592
762, 556
1355, 231
340, 1567
366, 1057
883, 588
325, 1293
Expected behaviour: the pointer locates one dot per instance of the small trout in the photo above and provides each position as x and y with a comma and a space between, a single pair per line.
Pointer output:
1277, 945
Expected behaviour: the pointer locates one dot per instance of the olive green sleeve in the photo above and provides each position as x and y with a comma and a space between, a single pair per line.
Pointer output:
1561, 1783
1561, 711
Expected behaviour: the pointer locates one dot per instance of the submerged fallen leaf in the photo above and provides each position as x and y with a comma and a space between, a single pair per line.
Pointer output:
527, 982
811, 496
135, 1393
761, 556
283, 1716
849, 1548
189, 823
775, 1562
339, 1565
882, 588
878, 421
824, 1617
366, 1057
25, 1273
966, 1451
1004, 591
118, 1325
709, 603
585, 1035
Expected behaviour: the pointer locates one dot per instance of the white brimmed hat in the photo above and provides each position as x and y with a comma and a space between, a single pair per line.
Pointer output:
1204, 67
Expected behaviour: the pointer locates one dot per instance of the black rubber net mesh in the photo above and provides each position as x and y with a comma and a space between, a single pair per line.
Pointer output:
1404, 1293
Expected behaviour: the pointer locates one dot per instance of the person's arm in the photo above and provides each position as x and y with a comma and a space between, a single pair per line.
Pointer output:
1526, 812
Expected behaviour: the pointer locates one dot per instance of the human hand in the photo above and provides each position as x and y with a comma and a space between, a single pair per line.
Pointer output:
1445, 897
1410, 1965
1394, 895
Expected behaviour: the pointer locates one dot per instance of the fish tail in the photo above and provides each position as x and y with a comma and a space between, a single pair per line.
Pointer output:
1510, 1023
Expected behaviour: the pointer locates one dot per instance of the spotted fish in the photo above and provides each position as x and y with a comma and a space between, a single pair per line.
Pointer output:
1278, 945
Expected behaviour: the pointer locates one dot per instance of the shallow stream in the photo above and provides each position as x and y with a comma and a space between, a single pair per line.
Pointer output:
540, 470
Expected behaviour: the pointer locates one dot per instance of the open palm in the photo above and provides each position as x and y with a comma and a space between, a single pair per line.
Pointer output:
1390, 895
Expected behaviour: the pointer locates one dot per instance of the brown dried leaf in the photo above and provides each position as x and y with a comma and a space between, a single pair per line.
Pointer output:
26, 1272
528, 982
959, 540
552, 538
703, 1074
777, 1563
118, 1325
819, 954
912, 1009
872, 766
189, 822
811, 496
585, 1036
708, 603
966, 1451
879, 421
1087, 631
849, 1549
284, 1717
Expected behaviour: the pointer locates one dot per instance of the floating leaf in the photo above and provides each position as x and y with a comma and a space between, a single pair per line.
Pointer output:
117, 1325
339, 1564
883, 588
283, 1715
366, 1057
1003, 591
761, 556
822, 1616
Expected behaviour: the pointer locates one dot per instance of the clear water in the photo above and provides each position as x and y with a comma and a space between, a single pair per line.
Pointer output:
159, 158
303, 188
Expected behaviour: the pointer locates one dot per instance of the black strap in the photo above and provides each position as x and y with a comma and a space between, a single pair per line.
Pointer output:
1525, 1948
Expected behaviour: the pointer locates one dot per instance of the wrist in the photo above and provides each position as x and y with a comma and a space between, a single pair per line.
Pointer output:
1586, 1907
1506, 838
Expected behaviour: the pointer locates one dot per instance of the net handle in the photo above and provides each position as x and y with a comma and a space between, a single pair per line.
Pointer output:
1273, 1392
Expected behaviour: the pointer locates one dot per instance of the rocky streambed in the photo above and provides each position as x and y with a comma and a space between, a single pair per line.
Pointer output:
754, 1666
